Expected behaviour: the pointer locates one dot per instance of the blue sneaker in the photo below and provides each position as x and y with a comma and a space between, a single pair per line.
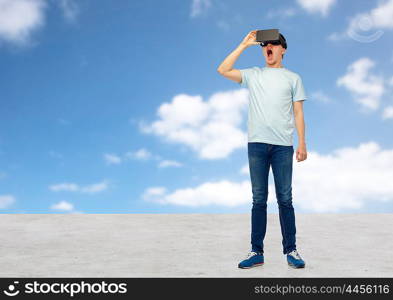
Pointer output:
253, 259
294, 259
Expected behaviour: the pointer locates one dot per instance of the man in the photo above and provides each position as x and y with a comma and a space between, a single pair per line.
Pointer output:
276, 97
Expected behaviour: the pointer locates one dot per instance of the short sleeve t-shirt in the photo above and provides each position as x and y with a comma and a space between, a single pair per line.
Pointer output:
270, 112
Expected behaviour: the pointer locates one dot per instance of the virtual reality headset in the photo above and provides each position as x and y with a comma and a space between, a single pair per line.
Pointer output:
271, 36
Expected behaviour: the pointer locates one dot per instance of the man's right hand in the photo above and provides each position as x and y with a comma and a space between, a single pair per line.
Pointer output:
250, 39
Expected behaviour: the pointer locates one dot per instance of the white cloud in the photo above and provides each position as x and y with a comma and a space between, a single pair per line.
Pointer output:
245, 170
112, 159
73, 187
387, 113
19, 19
169, 163
321, 7
63, 206
141, 154
222, 192
348, 178
151, 193
6, 201
367, 26
345, 179
209, 128
366, 88
382, 15
199, 6
70, 9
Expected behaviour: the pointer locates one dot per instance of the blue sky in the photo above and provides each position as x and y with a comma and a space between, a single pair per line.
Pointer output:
117, 107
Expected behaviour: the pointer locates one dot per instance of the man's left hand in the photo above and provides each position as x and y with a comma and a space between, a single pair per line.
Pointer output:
301, 152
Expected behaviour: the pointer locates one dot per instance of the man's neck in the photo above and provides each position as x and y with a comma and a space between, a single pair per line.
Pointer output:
277, 64
274, 66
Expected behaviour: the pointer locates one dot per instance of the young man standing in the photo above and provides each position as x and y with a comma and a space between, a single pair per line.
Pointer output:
276, 97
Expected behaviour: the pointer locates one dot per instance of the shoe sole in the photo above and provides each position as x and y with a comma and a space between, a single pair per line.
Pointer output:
253, 266
296, 267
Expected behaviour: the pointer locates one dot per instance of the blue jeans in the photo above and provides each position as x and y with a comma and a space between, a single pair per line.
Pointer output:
260, 157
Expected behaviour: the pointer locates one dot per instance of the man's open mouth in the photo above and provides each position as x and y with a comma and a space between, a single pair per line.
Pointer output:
269, 52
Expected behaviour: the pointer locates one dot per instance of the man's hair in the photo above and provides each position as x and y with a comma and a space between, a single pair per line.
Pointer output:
283, 41
282, 38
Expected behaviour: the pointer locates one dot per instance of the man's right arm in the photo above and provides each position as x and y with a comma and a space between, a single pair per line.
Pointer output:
226, 68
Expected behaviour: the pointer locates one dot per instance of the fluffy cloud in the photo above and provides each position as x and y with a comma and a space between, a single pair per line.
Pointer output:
140, 154
348, 178
73, 187
367, 26
382, 15
153, 192
345, 179
6, 201
210, 128
224, 192
20, 18
321, 7
245, 170
63, 206
365, 87
387, 113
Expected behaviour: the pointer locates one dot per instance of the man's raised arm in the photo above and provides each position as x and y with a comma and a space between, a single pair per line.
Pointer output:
226, 68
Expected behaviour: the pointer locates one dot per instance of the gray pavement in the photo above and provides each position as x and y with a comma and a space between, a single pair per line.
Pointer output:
190, 245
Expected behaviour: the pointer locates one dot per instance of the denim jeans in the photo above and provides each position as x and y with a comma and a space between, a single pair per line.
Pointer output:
260, 157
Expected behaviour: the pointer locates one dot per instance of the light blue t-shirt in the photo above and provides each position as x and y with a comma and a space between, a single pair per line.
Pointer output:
270, 110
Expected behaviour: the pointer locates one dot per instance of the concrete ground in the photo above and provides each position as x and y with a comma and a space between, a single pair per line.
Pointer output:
190, 245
